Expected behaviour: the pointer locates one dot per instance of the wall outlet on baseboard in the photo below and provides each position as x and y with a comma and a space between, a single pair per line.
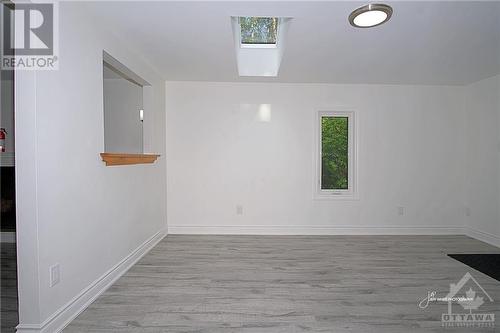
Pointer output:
55, 275
239, 210
401, 211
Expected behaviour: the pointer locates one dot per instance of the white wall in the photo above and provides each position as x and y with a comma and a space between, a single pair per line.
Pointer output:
482, 132
122, 126
73, 210
410, 155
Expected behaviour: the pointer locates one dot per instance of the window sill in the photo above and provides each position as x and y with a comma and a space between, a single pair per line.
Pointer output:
127, 159
336, 196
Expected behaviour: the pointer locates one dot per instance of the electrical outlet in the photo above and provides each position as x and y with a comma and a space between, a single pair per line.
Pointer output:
467, 211
239, 210
55, 275
401, 211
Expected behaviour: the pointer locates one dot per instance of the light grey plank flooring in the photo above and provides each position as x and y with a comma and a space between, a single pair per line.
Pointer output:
8, 288
248, 284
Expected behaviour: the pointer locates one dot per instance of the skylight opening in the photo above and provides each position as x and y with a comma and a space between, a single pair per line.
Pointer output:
258, 31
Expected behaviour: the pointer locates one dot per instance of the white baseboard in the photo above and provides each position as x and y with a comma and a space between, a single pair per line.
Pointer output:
62, 317
311, 230
7, 237
483, 236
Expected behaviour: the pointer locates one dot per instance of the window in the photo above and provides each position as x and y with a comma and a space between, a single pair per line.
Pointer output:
259, 44
336, 168
259, 31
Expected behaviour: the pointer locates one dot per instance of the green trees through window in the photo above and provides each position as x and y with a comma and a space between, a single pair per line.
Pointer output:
334, 152
258, 30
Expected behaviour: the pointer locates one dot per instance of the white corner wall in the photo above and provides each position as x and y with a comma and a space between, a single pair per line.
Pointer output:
221, 156
92, 220
482, 132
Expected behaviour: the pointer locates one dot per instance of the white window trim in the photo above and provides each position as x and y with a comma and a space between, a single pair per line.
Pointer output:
352, 192
259, 46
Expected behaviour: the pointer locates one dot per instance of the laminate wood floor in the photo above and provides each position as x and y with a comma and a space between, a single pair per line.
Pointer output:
249, 284
8, 288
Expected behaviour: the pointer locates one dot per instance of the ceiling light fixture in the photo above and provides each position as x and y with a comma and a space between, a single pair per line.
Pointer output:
370, 15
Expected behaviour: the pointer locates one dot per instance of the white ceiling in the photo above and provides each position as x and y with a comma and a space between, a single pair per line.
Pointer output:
423, 43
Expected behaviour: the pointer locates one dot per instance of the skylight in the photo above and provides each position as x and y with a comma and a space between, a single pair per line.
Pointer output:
259, 43
258, 31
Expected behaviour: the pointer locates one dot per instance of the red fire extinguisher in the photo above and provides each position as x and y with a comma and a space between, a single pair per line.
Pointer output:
3, 133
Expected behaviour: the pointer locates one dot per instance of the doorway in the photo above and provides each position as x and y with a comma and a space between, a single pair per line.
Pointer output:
8, 256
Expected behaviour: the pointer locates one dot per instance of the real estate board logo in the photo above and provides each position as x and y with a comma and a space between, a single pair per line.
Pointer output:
30, 36
466, 295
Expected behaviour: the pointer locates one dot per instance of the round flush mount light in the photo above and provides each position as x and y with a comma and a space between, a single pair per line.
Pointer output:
370, 15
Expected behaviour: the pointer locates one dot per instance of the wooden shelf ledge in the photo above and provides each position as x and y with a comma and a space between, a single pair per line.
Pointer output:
127, 159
